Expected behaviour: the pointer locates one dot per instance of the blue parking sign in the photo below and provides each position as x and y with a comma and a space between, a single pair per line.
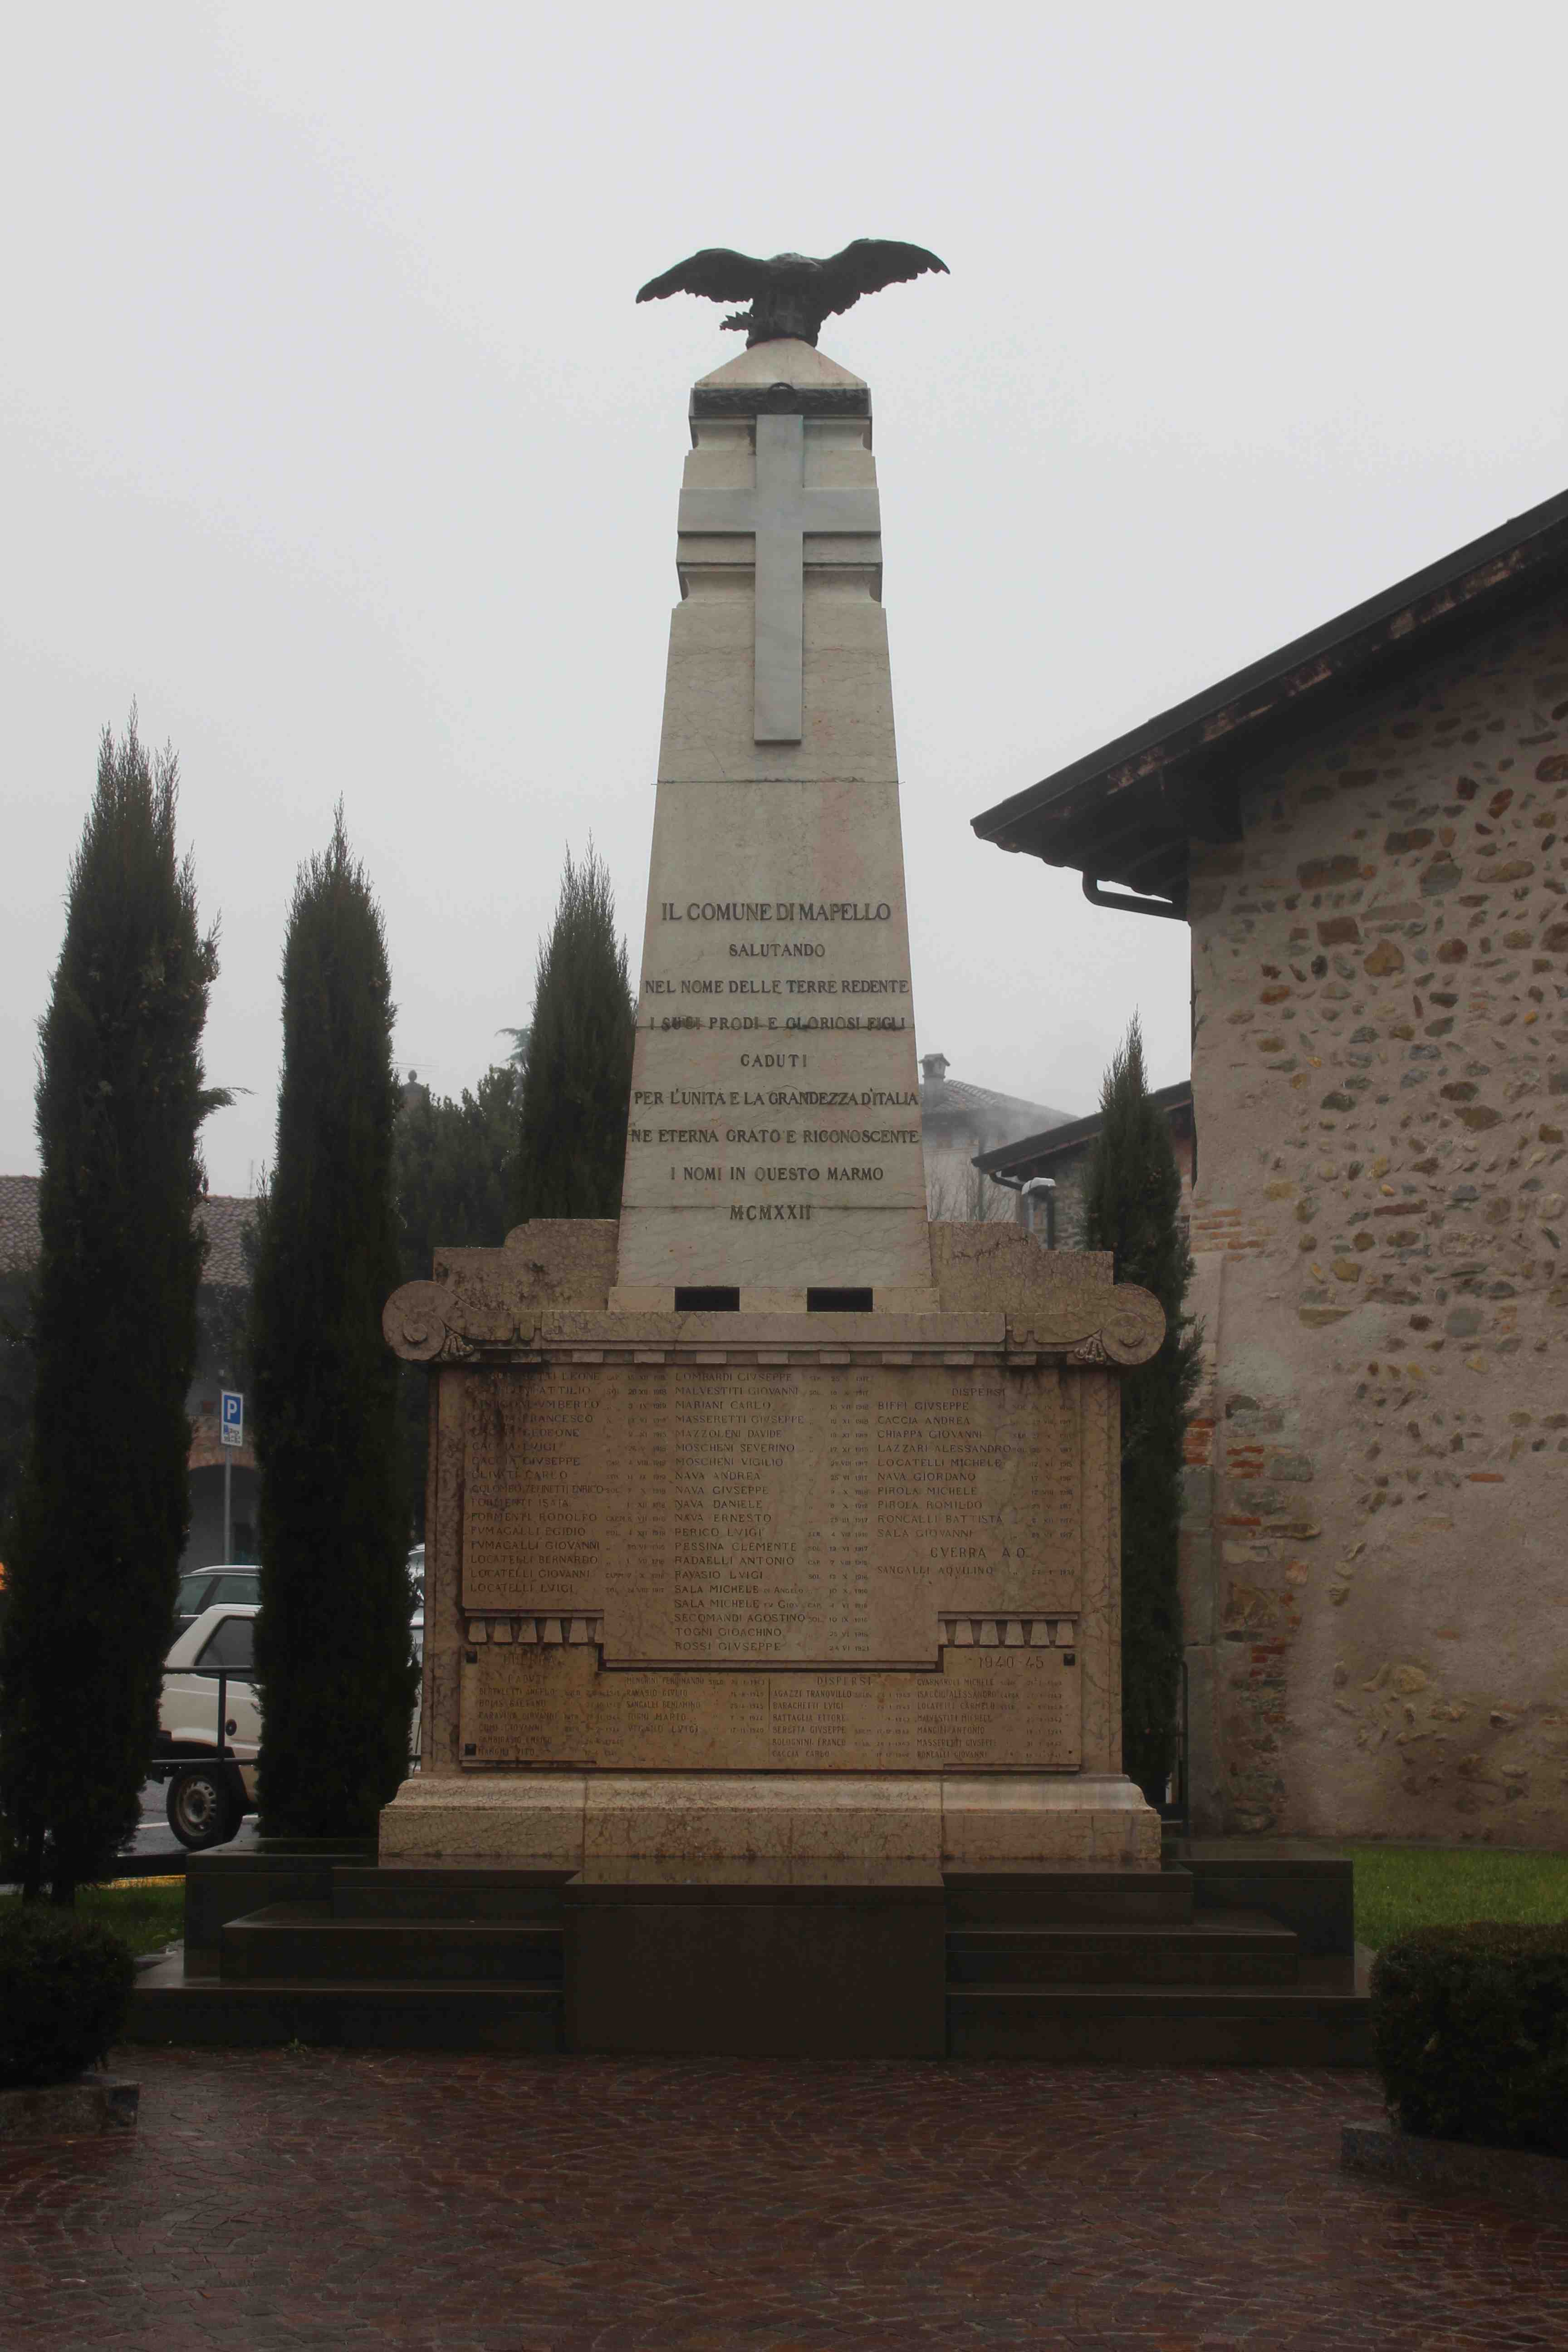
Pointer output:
231, 1416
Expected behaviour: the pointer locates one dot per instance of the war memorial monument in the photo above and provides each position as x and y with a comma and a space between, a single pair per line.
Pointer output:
771, 1701
772, 1551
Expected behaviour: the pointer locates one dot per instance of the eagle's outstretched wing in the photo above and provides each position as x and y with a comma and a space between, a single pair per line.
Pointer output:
718, 273
872, 263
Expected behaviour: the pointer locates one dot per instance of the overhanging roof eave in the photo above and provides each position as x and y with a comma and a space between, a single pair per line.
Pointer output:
1464, 581
1052, 1140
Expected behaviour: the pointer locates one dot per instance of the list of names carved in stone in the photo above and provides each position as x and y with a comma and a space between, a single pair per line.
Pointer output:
750, 1512
980, 1711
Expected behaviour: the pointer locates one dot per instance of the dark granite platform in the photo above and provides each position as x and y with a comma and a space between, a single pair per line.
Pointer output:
1224, 1958
750, 1959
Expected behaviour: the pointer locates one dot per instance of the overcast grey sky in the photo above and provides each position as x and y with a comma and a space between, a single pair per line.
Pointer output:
329, 432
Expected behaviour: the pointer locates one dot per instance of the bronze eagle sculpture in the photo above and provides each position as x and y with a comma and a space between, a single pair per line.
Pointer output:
792, 293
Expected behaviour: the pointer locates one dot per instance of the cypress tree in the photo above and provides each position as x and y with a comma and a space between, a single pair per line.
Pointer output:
103, 1509
1132, 1193
576, 1087
333, 1664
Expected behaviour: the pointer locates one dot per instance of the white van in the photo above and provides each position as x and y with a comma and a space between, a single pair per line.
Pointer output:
210, 1759
200, 1587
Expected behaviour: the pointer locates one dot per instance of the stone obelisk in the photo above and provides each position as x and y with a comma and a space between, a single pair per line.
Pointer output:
775, 1143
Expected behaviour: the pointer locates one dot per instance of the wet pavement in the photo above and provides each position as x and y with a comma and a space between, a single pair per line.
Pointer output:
275, 2199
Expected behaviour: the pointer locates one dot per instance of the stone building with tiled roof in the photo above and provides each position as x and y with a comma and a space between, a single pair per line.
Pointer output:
958, 1121
1364, 833
226, 1279
1055, 1212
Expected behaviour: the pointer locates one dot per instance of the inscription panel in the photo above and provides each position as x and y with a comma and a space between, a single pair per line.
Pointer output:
776, 1046
753, 1513
982, 1710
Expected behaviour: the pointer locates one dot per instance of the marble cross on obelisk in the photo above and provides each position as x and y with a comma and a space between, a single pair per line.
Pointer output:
779, 511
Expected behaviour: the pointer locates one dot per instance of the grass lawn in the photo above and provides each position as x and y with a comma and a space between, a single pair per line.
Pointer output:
1396, 1887
1402, 1886
147, 1912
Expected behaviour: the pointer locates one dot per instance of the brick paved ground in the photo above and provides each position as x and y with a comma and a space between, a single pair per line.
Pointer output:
533, 2205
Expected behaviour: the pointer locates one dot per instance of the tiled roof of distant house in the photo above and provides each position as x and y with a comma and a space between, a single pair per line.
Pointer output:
949, 1103
225, 1215
1000, 1106
1071, 1135
18, 1223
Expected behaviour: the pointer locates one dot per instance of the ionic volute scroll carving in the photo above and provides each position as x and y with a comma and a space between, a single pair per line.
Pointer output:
1094, 1324
445, 1323
414, 1324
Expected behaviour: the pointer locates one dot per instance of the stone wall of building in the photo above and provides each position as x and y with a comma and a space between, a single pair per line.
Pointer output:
956, 1192
1376, 1562
958, 1120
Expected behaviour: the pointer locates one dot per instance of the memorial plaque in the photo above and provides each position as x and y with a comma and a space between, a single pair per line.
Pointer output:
745, 1513
981, 1709
779, 1035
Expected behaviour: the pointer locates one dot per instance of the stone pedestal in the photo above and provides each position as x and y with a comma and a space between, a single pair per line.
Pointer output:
772, 1523
799, 1588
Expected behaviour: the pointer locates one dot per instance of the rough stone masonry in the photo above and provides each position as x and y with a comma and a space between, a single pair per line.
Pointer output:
1365, 831
1377, 1578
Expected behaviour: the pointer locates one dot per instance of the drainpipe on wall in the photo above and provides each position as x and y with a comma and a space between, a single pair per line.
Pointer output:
1013, 1185
1126, 904
1041, 1190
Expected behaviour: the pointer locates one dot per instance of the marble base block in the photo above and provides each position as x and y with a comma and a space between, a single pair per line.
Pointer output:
577, 1818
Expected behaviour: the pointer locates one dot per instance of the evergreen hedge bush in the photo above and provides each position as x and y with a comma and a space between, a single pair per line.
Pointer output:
1470, 2033
65, 1986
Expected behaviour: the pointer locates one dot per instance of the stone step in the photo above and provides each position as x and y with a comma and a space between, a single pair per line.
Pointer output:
454, 1890
228, 1882
1311, 1891
1324, 2020
207, 2012
306, 1941
1238, 1950
999, 1895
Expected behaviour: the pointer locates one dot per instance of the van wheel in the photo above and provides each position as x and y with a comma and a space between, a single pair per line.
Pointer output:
200, 1809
